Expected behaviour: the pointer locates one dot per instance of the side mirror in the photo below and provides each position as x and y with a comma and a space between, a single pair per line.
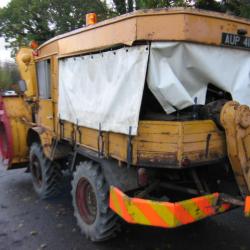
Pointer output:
22, 86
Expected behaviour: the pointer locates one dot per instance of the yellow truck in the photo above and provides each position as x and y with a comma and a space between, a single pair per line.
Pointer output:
149, 111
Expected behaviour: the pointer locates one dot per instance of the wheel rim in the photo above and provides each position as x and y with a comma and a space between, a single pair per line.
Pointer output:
36, 171
86, 201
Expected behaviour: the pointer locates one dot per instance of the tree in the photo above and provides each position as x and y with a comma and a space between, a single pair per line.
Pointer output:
120, 6
25, 20
208, 5
8, 75
236, 7
123, 6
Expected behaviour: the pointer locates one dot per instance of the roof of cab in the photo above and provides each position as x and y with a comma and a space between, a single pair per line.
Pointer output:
174, 24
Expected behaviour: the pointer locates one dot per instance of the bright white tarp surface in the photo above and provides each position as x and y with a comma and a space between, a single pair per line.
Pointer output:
103, 89
179, 72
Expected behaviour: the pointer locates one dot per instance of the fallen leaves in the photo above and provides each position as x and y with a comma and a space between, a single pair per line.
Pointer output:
33, 233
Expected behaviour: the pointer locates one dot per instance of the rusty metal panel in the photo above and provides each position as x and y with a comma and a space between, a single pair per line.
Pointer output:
168, 143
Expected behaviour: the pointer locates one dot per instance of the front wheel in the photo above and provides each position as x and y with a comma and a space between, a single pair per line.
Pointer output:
46, 175
90, 194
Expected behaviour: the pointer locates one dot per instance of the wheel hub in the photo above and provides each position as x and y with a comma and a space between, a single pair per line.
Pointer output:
86, 201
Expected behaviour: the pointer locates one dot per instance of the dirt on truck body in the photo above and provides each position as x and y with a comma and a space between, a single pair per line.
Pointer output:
149, 111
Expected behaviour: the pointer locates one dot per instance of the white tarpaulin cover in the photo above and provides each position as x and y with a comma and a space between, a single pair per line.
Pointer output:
179, 72
103, 89
107, 88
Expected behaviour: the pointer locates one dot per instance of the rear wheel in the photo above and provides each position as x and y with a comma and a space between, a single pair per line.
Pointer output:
90, 194
46, 176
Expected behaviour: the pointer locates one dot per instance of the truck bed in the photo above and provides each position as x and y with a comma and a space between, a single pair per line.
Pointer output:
158, 143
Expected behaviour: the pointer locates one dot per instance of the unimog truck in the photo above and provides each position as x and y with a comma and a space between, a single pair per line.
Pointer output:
148, 111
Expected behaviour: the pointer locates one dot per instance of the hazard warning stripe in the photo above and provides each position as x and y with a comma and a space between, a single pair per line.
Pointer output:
165, 214
183, 214
147, 208
247, 206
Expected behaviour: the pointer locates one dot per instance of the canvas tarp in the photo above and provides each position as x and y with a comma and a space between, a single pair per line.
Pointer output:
103, 89
179, 72
106, 89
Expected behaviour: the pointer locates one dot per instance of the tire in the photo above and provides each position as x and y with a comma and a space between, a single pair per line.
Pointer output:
90, 194
46, 176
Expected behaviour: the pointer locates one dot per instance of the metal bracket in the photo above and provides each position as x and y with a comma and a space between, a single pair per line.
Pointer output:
61, 123
100, 142
72, 166
207, 144
52, 154
79, 131
129, 148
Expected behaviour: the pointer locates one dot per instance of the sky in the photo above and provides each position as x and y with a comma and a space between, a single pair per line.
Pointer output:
4, 54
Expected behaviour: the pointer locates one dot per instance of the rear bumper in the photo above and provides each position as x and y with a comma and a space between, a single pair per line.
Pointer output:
167, 214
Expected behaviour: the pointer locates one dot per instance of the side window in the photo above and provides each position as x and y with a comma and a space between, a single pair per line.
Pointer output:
43, 79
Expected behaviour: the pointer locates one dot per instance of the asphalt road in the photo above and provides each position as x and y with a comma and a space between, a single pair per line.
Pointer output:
29, 223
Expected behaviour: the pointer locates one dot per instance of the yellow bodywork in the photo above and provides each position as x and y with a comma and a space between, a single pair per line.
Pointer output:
26, 66
158, 142
19, 115
19, 109
235, 118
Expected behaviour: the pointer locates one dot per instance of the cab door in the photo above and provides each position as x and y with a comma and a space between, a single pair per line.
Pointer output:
45, 114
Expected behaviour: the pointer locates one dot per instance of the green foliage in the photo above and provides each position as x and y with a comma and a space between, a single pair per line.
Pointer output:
245, 10
120, 6
236, 7
163, 3
208, 5
24, 20
8, 75
123, 6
